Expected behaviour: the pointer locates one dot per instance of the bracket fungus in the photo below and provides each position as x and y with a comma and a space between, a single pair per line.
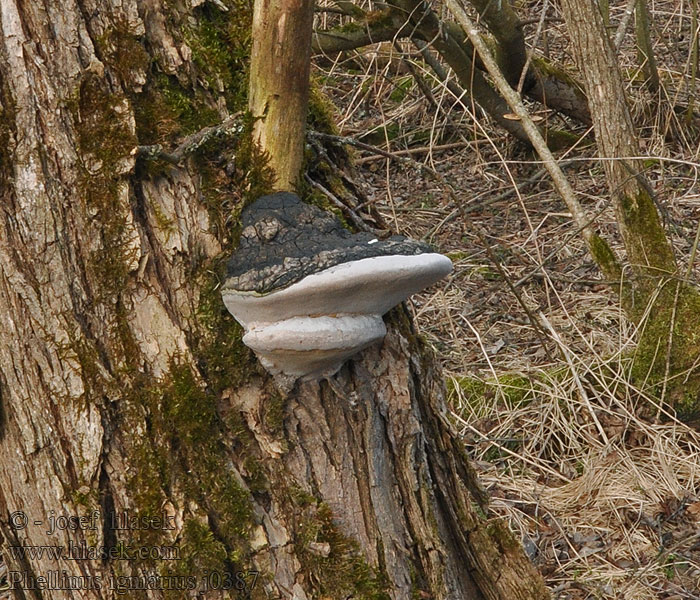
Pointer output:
310, 294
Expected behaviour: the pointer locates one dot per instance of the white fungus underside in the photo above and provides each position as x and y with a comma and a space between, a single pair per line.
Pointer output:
313, 345
311, 327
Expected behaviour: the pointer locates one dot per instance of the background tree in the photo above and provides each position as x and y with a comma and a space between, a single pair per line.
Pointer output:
668, 350
125, 387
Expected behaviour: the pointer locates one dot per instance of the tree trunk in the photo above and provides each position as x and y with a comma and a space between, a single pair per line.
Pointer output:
645, 241
645, 48
279, 83
127, 395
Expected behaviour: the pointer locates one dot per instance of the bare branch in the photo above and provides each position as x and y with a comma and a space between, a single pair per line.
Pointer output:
611, 268
232, 125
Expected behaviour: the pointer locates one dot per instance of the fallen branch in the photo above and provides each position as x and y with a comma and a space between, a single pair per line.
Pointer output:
380, 26
409, 151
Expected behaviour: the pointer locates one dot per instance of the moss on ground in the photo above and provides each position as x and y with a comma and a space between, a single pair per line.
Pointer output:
510, 388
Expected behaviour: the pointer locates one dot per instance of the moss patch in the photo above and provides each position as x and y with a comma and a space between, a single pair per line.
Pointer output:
220, 44
344, 572
647, 246
604, 257
224, 360
166, 111
125, 53
8, 126
651, 356
105, 141
513, 390
182, 448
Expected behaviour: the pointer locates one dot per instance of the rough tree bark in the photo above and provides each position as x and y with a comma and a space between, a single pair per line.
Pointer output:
126, 392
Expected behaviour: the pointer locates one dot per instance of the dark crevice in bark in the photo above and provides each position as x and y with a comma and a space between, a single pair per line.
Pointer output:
20, 562
60, 436
213, 523
106, 499
151, 252
89, 29
3, 416
361, 454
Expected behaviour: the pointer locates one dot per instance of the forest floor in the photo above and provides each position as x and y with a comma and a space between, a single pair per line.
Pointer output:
607, 502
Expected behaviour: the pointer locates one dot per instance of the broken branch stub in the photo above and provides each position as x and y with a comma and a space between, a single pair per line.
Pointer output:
310, 294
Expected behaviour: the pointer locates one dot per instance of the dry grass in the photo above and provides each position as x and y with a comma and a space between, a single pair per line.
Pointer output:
607, 502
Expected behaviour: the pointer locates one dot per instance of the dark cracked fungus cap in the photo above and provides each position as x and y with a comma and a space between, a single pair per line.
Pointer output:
284, 240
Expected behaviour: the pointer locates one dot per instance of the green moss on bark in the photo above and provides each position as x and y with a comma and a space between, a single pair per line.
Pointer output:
647, 247
546, 68
220, 44
125, 53
224, 360
681, 327
604, 257
168, 108
8, 126
183, 448
105, 141
177, 444
343, 572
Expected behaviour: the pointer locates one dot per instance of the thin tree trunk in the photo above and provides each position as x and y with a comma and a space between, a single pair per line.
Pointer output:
126, 391
645, 49
640, 226
279, 90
